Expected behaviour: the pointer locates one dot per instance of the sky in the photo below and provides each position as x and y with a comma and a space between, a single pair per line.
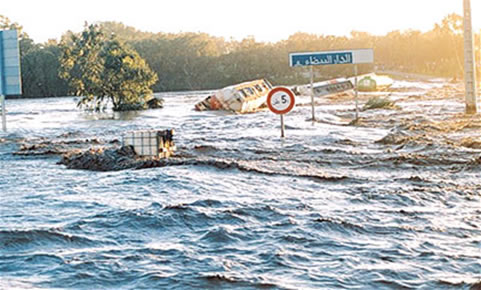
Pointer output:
266, 20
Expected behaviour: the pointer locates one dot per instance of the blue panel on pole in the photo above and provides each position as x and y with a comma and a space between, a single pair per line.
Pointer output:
9, 34
10, 82
354, 56
318, 58
12, 71
10, 52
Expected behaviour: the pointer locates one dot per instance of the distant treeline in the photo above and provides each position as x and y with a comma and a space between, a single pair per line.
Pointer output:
196, 61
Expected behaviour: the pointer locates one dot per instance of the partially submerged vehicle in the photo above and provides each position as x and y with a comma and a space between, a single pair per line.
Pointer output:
334, 86
241, 98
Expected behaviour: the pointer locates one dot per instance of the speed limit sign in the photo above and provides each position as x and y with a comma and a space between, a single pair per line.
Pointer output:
281, 100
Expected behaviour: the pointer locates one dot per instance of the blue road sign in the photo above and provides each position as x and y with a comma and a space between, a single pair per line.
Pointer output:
331, 57
318, 58
10, 82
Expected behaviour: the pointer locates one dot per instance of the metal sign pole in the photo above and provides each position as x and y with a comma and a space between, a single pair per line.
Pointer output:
312, 95
355, 56
280, 101
4, 114
282, 126
356, 92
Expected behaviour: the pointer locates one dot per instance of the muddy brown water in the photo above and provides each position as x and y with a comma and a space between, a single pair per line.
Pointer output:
390, 201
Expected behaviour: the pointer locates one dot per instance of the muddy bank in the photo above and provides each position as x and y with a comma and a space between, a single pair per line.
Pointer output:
103, 159
121, 158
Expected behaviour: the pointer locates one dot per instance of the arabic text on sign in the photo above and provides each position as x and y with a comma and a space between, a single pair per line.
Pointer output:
322, 59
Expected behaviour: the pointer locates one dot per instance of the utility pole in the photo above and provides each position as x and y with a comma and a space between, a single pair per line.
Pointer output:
469, 70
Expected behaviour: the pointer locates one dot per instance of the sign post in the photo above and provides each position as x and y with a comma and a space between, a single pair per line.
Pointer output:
356, 56
356, 92
10, 83
4, 114
281, 101
312, 96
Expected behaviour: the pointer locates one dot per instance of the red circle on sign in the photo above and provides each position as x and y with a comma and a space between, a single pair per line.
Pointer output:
281, 90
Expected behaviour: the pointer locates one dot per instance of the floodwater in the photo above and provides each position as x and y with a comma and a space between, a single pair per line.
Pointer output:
378, 205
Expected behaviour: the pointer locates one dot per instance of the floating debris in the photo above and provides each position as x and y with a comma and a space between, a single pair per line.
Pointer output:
138, 150
151, 143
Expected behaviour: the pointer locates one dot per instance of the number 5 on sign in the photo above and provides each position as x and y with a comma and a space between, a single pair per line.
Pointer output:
281, 101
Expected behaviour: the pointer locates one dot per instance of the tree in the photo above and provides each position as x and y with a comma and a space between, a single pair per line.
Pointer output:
126, 76
6, 24
40, 66
101, 69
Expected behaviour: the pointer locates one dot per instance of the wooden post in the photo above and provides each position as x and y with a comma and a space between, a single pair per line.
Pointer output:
469, 71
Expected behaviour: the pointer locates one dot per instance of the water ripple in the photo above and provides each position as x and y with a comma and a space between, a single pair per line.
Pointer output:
332, 206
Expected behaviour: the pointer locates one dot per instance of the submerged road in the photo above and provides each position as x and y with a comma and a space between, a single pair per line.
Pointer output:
393, 202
